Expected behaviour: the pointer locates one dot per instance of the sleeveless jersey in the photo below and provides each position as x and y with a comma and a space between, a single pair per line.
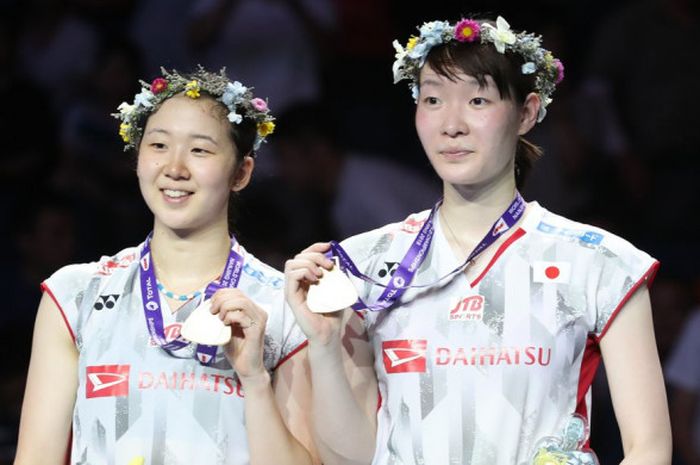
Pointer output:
137, 403
477, 372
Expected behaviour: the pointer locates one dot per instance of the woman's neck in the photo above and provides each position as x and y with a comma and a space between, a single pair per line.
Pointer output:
468, 213
185, 262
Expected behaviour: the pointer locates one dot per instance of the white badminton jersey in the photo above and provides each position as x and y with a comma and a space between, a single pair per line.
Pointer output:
135, 401
477, 372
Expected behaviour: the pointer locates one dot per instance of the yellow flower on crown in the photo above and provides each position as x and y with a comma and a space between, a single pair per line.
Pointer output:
412, 41
548, 60
124, 131
266, 128
192, 89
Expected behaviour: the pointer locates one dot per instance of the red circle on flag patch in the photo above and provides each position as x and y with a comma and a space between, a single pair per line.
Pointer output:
552, 272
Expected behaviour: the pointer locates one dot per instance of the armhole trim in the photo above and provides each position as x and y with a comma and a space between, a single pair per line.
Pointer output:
296, 350
46, 289
647, 277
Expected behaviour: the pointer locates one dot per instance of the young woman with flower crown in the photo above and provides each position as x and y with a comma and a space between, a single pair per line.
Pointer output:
487, 315
111, 378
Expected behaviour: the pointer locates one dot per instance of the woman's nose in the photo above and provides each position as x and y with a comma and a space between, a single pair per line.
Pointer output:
177, 166
454, 123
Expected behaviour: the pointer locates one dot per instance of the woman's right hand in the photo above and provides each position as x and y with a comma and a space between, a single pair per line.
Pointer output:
300, 272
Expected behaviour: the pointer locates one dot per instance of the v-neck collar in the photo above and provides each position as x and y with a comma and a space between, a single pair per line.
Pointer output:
446, 261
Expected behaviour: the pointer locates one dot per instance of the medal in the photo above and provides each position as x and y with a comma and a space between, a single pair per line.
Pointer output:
206, 330
333, 292
202, 327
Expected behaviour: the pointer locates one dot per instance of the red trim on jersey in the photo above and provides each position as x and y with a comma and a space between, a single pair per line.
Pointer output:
589, 366
591, 354
46, 289
520, 232
292, 353
379, 399
69, 448
647, 277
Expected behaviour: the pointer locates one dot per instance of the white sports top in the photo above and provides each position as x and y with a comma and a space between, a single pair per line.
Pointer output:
137, 403
477, 372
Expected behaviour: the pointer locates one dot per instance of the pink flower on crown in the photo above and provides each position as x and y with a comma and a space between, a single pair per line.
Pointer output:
467, 30
259, 104
560, 71
158, 85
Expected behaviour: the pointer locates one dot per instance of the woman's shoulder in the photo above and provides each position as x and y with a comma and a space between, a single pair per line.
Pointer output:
365, 245
104, 267
552, 227
262, 273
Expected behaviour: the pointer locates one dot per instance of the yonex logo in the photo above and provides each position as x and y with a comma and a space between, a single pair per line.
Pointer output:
388, 269
107, 381
107, 301
405, 356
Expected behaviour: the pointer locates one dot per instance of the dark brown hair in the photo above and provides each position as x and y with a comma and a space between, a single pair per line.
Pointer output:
481, 60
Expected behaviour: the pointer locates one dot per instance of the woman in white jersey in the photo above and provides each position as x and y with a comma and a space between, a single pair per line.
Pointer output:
487, 315
111, 379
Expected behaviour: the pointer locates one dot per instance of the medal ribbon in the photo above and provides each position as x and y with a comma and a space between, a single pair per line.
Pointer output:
151, 300
406, 271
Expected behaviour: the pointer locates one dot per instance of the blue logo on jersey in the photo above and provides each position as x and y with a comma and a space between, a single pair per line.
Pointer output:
587, 237
258, 275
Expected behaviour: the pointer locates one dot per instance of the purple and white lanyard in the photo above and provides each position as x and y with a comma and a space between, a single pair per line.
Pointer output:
406, 271
151, 300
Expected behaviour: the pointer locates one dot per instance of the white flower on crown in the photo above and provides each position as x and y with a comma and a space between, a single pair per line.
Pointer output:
501, 35
398, 63
126, 108
144, 98
234, 117
543, 109
234, 90
528, 68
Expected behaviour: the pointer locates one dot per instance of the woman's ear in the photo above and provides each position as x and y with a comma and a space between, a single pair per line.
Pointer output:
529, 112
243, 174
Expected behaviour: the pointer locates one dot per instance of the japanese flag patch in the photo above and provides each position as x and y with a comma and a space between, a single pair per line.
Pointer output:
551, 272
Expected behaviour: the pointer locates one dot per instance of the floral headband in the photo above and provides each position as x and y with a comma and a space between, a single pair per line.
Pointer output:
549, 71
235, 96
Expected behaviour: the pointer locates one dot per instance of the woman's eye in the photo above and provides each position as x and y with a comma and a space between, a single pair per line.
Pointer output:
158, 145
478, 101
200, 151
430, 100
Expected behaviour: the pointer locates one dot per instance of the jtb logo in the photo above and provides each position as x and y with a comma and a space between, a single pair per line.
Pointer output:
107, 381
404, 356
468, 309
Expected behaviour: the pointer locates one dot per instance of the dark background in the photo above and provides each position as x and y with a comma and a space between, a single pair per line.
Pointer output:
621, 139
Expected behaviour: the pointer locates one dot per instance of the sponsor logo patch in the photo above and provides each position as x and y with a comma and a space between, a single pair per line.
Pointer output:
108, 267
107, 381
411, 225
587, 237
405, 356
470, 308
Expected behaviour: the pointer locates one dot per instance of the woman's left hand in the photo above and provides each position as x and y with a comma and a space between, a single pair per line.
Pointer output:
247, 321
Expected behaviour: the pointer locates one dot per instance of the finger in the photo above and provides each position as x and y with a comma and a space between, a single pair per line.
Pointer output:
242, 320
313, 262
321, 247
227, 294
